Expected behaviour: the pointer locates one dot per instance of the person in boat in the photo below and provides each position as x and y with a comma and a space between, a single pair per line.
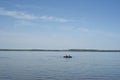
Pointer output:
67, 56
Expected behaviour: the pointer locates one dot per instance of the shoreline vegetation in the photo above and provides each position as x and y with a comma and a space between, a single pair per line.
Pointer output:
64, 50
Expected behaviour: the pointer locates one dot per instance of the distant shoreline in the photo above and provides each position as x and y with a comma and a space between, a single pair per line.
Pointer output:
65, 50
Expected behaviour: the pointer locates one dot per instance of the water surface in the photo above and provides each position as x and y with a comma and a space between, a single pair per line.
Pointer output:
52, 66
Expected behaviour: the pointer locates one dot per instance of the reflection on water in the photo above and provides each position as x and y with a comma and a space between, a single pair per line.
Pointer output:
52, 66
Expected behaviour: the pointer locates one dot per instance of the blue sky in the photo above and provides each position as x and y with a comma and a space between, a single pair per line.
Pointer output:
60, 24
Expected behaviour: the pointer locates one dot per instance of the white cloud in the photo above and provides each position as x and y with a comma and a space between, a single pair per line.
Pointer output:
51, 18
17, 14
26, 16
76, 29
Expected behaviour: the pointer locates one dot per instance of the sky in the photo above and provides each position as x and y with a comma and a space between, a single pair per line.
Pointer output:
60, 24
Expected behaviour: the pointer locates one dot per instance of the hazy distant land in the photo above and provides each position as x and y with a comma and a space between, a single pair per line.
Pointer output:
70, 50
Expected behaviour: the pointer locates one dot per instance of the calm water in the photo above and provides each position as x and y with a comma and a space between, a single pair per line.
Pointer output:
52, 66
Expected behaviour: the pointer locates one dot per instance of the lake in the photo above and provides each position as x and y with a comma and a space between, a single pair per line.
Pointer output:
52, 66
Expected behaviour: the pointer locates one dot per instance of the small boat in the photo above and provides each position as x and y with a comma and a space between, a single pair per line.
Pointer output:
67, 56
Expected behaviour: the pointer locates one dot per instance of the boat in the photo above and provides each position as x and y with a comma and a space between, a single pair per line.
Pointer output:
67, 56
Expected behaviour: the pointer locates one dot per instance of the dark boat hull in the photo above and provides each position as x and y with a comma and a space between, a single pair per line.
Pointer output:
67, 56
